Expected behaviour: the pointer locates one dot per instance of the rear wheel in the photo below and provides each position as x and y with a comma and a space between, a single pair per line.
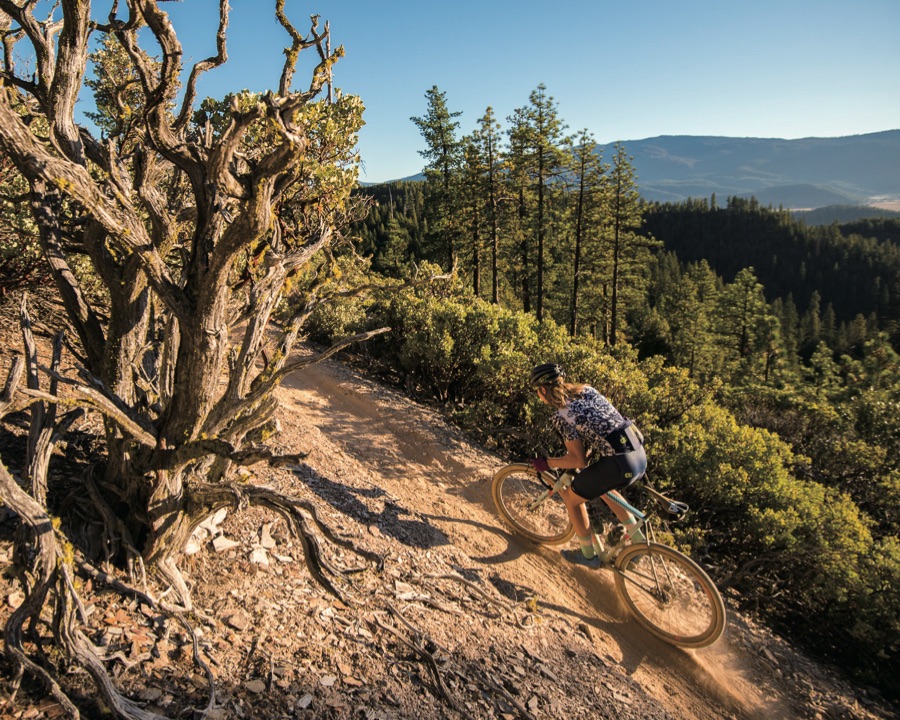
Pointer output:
516, 491
670, 595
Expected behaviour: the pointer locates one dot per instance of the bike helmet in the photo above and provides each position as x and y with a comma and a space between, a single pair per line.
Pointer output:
546, 374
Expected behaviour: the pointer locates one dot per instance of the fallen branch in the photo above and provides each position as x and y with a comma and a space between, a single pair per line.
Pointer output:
456, 577
426, 656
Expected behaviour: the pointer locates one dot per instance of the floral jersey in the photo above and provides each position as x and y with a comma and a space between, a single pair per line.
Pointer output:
588, 417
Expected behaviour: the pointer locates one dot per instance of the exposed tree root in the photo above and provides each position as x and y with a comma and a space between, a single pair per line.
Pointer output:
302, 520
52, 582
43, 570
417, 645
50, 557
50, 568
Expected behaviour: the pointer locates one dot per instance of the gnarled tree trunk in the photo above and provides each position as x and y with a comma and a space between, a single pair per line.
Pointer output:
193, 223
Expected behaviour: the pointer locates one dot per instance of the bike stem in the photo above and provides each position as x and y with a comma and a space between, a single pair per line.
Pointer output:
560, 483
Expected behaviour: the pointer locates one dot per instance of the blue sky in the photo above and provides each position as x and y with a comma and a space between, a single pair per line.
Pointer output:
625, 70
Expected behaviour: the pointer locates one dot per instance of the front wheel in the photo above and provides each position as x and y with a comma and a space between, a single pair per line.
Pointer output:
517, 495
670, 595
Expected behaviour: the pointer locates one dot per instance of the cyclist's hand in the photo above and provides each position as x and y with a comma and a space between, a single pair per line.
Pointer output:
540, 464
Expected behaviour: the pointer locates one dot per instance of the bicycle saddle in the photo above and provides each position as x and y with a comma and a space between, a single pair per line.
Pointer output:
675, 508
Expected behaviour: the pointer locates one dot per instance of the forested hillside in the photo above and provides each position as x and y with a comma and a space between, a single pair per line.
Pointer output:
843, 214
837, 283
845, 270
758, 353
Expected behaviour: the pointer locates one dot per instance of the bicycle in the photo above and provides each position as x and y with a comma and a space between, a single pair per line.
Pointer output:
668, 593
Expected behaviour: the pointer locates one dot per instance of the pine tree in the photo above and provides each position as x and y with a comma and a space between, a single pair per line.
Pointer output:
627, 249
786, 312
749, 331
482, 190
811, 326
444, 154
537, 133
488, 140
589, 200
472, 188
689, 309
392, 257
519, 189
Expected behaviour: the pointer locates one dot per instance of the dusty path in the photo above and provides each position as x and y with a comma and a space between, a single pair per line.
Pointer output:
410, 453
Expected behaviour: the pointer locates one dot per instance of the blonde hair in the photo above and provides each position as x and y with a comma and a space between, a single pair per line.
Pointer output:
560, 392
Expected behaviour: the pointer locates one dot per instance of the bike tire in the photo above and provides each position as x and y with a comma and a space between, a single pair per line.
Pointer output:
670, 595
514, 487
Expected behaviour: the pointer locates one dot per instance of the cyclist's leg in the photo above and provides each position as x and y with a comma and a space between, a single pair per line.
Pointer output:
592, 482
579, 517
596, 480
577, 512
613, 473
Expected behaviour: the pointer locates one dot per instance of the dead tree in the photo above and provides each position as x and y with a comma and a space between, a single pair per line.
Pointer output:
194, 224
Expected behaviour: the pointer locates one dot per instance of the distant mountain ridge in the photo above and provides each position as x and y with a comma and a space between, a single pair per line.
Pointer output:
796, 174
803, 173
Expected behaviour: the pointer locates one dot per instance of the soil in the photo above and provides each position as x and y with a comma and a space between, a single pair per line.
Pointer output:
464, 620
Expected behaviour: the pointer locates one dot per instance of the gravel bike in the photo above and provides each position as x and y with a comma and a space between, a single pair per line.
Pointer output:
667, 592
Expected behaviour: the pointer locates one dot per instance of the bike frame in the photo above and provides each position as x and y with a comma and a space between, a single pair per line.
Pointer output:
562, 481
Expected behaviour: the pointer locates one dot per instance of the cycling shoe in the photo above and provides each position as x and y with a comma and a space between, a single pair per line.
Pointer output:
575, 557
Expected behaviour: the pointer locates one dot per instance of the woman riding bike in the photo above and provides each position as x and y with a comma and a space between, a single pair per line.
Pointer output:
587, 421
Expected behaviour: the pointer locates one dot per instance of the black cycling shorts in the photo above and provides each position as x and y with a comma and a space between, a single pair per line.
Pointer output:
611, 472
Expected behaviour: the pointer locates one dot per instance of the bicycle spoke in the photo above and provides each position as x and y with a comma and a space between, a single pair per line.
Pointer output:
670, 595
522, 500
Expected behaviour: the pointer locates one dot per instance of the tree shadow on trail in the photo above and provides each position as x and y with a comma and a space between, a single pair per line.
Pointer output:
511, 552
393, 520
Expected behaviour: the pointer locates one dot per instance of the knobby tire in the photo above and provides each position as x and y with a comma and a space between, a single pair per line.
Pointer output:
513, 489
670, 595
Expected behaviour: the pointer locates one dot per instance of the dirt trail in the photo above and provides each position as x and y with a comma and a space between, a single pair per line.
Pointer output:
412, 454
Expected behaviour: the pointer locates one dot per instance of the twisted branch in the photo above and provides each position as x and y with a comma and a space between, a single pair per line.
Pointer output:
220, 58
45, 574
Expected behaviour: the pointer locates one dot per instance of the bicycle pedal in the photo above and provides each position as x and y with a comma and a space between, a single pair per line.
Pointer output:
607, 557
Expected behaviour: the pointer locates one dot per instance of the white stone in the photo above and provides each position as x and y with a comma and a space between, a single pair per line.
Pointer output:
265, 537
222, 543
